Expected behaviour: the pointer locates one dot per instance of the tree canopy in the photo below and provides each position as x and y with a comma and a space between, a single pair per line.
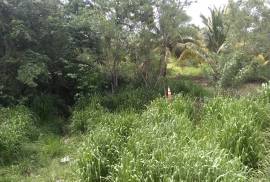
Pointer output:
76, 47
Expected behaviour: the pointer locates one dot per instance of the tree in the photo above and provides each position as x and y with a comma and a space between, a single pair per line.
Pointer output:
107, 20
33, 49
171, 18
162, 25
216, 29
249, 26
209, 47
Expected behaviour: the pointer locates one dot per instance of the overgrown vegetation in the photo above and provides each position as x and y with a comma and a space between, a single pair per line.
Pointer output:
17, 127
122, 90
165, 143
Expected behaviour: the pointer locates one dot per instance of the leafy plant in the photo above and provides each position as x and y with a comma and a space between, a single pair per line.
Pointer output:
217, 30
16, 127
235, 69
45, 106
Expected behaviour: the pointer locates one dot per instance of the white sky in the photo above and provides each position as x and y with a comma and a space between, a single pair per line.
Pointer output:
201, 7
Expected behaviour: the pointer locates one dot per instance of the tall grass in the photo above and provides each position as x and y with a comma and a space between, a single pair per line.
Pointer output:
16, 127
86, 119
137, 99
236, 125
103, 146
164, 144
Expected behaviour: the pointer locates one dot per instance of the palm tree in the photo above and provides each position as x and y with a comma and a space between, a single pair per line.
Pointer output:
216, 29
215, 36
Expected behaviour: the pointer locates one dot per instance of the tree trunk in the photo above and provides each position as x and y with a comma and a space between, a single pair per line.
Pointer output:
163, 62
114, 76
7, 50
144, 71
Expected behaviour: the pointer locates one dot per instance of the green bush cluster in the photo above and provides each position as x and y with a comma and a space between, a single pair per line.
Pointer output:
164, 144
44, 106
164, 148
233, 69
16, 127
86, 119
239, 67
136, 99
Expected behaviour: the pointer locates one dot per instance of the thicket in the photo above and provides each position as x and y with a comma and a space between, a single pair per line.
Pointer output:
57, 51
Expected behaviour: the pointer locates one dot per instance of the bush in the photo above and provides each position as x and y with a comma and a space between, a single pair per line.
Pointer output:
238, 68
247, 73
98, 155
129, 99
230, 66
163, 149
264, 72
51, 146
47, 107
137, 99
86, 119
181, 105
187, 87
169, 160
16, 127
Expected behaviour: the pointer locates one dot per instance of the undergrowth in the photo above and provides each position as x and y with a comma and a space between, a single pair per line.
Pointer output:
186, 139
166, 143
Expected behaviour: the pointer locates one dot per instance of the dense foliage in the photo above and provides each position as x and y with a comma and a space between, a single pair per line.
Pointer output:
82, 86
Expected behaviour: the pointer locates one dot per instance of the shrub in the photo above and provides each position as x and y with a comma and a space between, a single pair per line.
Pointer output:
237, 68
51, 146
16, 127
86, 119
181, 105
137, 99
89, 113
129, 99
231, 67
187, 87
98, 155
47, 107
176, 162
247, 73
263, 73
